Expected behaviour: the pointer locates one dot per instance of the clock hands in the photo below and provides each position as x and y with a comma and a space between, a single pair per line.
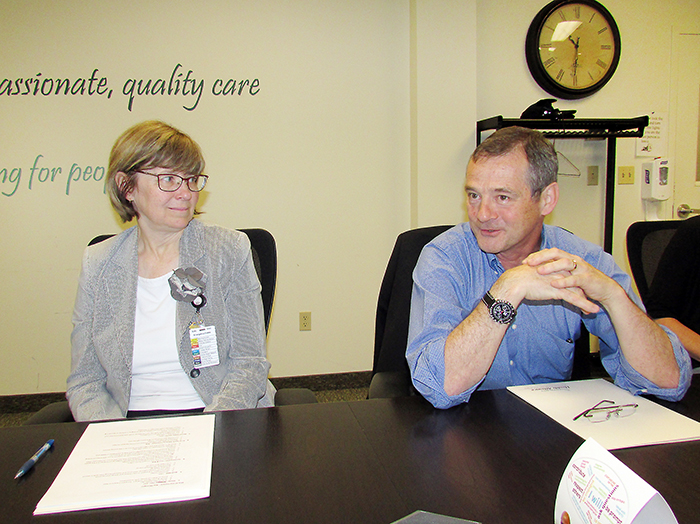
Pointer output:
575, 64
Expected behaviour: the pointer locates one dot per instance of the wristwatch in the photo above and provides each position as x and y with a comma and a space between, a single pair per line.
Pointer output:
501, 311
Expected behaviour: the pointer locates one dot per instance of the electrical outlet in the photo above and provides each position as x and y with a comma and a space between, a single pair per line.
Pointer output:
305, 321
592, 175
625, 175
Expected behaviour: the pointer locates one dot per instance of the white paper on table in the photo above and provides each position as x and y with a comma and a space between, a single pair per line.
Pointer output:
135, 462
650, 424
597, 488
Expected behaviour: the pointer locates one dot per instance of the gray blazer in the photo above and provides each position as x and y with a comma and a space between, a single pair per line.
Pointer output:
99, 385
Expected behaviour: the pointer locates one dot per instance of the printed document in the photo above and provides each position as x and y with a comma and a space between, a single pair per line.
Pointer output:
135, 462
619, 420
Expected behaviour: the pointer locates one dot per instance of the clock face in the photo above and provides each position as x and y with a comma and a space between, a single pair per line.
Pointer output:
573, 48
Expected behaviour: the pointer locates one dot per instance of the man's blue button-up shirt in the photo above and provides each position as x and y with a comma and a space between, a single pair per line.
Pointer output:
449, 281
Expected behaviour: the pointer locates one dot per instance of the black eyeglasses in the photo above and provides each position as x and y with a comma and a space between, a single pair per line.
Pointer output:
170, 182
601, 413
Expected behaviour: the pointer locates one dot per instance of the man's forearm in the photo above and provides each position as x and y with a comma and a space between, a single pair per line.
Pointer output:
473, 344
470, 350
644, 344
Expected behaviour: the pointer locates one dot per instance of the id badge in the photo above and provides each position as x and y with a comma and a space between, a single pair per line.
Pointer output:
205, 351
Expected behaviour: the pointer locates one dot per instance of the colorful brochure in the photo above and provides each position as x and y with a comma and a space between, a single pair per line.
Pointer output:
599, 489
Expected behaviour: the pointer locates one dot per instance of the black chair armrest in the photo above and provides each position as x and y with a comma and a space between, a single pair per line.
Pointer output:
391, 384
51, 414
289, 396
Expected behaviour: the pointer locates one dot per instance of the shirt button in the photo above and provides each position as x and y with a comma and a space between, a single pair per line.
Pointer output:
512, 363
194, 373
569, 341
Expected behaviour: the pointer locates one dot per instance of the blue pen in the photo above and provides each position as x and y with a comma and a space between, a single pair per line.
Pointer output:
35, 458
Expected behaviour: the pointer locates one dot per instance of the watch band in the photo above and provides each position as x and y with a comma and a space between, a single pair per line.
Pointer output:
501, 311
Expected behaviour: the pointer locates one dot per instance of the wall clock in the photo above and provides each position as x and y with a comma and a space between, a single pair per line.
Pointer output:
572, 48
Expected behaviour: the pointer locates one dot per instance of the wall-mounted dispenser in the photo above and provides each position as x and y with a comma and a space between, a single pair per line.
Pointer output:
656, 180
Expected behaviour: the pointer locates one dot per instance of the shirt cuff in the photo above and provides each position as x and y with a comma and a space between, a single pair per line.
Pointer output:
633, 381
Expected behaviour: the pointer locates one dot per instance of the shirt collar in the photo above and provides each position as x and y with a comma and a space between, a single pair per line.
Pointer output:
546, 241
494, 263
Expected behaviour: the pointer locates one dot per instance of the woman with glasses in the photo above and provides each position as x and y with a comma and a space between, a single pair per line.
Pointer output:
168, 316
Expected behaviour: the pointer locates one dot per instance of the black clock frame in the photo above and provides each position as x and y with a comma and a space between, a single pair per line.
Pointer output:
534, 63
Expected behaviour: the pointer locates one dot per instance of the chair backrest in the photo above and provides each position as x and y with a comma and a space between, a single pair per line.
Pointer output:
646, 242
99, 238
394, 304
264, 252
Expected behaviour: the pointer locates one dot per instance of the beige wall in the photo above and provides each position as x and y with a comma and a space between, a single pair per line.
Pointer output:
361, 129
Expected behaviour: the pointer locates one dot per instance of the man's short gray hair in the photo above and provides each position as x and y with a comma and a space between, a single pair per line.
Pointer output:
540, 154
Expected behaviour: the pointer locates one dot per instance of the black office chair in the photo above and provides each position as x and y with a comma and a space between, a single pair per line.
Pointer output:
391, 376
264, 252
646, 242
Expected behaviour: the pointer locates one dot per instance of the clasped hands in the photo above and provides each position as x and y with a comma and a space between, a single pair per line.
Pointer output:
553, 274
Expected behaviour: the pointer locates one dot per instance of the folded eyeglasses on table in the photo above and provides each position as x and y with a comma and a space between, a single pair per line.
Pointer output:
601, 412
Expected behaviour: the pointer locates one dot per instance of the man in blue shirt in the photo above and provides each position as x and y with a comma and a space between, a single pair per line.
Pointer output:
499, 301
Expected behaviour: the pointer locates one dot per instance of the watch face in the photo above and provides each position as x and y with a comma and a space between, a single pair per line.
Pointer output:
502, 312
573, 48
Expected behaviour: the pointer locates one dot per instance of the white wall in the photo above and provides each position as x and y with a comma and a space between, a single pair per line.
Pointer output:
444, 111
361, 128
320, 155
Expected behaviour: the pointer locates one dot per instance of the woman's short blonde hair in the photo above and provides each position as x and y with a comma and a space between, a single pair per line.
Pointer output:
147, 145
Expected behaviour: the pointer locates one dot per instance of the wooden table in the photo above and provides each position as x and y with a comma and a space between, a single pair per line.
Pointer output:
494, 460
